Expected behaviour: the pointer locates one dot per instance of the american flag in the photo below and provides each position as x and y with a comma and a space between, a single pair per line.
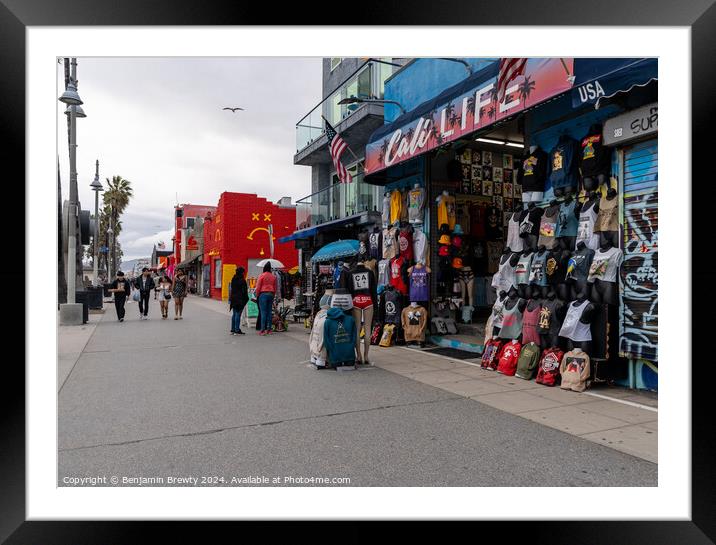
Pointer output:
509, 70
337, 146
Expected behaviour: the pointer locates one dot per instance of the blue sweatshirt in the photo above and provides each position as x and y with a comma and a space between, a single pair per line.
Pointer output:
339, 337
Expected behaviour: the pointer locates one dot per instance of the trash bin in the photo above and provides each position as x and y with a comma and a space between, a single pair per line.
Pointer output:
82, 296
95, 297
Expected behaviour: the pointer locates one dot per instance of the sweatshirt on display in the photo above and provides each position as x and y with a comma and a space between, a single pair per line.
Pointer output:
575, 370
339, 336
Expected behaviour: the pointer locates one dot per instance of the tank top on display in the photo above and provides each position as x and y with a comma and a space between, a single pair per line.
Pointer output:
522, 269
497, 313
396, 275
608, 217
511, 322
585, 231
514, 242
572, 328
530, 319
538, 269
386, 211
548, 229
505, 277
419, 284
566, 220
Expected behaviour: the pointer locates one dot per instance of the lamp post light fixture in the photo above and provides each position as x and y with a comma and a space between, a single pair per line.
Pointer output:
461, 61
79, 112
73, 100
357, 100
96, 187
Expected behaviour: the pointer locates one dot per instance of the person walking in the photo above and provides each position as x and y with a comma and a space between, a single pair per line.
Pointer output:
179, 289
145, 285
238, 297
121, 288
265, 291
164, 285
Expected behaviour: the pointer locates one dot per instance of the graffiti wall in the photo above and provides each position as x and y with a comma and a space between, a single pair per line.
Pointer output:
640, 271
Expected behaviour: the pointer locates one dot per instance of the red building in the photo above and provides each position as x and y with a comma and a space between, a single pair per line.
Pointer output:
237, 235
184, 216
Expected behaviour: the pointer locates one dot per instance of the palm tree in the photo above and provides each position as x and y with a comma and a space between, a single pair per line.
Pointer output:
491, 112
449, 110
526, 88
471, 105
454, 119
383, 149
116, 197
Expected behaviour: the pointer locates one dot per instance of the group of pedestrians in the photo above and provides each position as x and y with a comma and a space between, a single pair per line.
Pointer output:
167, 289
264, 295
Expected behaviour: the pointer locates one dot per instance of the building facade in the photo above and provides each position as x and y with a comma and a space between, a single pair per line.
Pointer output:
237, 235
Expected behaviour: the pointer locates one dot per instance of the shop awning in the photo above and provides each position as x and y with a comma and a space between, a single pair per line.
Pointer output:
464, 108
188, 261
599, 79
472, 104
359, 219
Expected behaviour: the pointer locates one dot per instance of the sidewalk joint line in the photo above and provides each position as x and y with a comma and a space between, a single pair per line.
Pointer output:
256, 425
624, 402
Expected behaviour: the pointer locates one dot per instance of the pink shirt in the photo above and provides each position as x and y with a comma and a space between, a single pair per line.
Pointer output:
266, 283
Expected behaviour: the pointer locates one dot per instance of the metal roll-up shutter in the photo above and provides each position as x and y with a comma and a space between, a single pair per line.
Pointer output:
639, 275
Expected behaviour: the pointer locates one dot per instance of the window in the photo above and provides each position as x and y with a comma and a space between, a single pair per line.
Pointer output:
217, 273
335, 61
190, 223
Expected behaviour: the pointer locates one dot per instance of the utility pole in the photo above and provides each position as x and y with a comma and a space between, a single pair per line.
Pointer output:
96, 186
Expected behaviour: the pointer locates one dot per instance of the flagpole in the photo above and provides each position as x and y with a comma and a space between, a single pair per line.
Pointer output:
347, 146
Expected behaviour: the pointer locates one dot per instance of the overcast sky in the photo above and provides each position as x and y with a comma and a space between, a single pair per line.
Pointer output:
159, 123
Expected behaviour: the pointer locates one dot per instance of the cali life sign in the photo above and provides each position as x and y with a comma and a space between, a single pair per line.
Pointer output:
473, 110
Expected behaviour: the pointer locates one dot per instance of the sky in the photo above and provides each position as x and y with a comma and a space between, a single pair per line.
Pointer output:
159, 123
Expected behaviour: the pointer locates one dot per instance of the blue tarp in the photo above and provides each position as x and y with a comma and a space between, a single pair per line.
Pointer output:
597, 79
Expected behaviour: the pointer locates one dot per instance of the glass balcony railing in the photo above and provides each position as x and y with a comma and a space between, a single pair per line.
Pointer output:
336, 202
366, 82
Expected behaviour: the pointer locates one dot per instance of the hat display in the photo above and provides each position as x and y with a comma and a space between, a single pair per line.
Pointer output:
457, 263
444, 251
444, 239
457, 242
458, 230
444, 229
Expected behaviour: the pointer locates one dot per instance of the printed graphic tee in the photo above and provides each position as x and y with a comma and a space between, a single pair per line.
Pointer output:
509, 355
578, 265
605, 265
575, 371
416, 202
390, 244
534, 171
548, 370
490, 356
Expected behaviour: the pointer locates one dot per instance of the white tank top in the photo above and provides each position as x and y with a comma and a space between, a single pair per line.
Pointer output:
572, 328
585, 231
505, 277
514, 242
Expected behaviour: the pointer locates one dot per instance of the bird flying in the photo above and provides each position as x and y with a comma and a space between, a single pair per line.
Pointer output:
233, 110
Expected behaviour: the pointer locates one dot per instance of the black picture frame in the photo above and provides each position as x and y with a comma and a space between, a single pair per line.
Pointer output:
700, 16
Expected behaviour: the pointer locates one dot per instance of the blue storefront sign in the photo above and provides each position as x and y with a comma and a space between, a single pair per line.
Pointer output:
597, 79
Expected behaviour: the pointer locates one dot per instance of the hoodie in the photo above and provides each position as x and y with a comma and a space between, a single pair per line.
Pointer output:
339, 337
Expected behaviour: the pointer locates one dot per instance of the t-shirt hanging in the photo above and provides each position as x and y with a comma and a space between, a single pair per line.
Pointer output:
514, 241
534, 171
386, 210
405, 244
416, 202
595, 157
393, 306
419, 284
530, 319
548, 322
478, 218
446, 211
572, 327
397, 264
504, 279
605, 265
578, 265
420, 246
374, 243
396, 205
509, 355
383, 277
511, 322
530, 224
390, 244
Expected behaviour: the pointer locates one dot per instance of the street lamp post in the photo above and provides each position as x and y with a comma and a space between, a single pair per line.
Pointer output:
96, 187
72, 99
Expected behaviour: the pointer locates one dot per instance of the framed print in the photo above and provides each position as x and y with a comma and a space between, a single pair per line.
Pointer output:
497, 174
192, 395
466, 156
476, 172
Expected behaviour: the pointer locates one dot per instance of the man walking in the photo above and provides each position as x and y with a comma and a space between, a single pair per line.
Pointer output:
121, 289
145, 285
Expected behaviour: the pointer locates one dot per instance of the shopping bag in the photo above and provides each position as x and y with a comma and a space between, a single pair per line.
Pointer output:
135, 296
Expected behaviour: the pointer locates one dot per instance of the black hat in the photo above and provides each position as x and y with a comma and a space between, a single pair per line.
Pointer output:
444, 229
120, 273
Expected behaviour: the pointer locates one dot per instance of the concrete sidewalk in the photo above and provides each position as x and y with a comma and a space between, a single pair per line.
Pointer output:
71, 341
618, 418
